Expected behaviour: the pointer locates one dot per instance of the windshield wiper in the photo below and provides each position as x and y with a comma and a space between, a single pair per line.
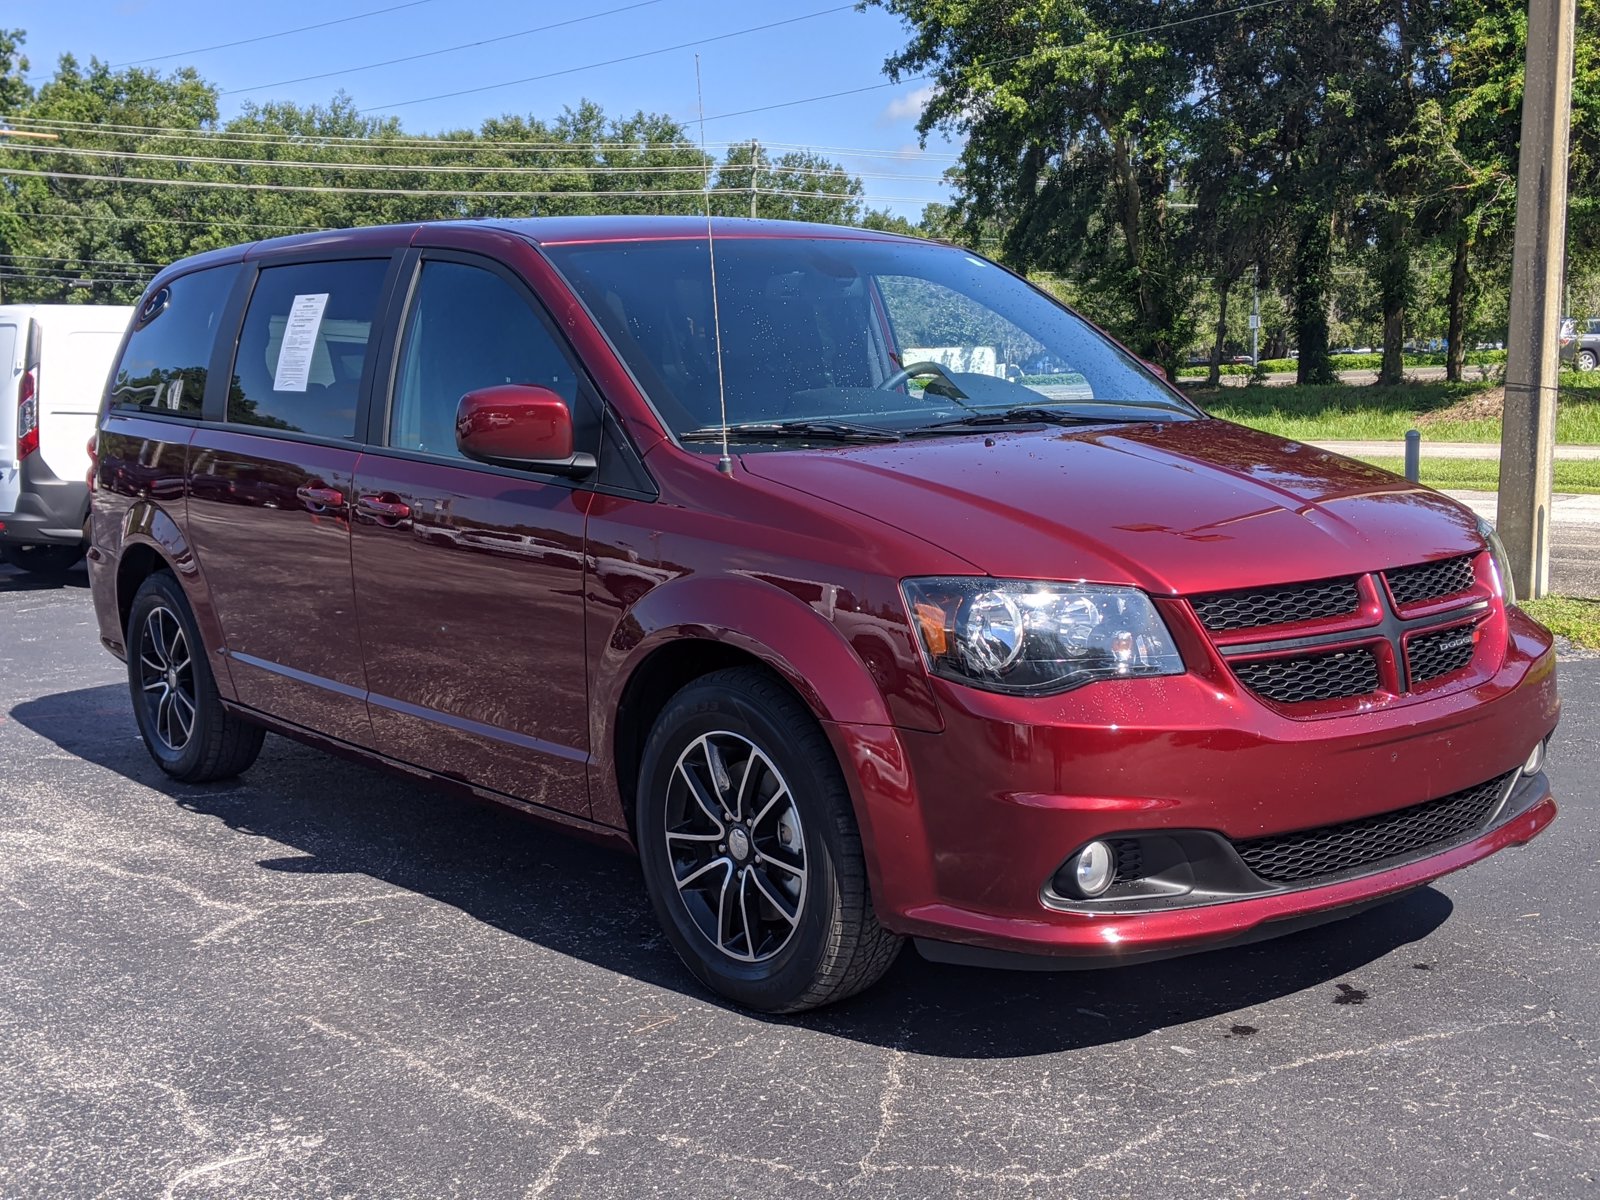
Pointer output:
1029, 415
770, 431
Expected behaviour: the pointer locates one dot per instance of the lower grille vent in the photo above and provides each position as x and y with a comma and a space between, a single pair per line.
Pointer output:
1292, 857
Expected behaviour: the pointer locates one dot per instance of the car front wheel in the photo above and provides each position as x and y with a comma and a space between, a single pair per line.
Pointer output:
188, 732
750, 849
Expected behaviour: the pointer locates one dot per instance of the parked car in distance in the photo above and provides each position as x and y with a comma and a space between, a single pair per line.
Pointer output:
54, 359
1580, 343
1061, 674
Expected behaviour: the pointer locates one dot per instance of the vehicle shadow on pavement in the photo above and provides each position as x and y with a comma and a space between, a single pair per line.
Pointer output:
12, 580
578, 899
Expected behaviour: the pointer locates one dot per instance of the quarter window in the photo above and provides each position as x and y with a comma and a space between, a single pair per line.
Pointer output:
468, 328
304, 346
163, 369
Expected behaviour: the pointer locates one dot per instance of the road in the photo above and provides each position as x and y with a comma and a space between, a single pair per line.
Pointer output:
1574, 539
325, 981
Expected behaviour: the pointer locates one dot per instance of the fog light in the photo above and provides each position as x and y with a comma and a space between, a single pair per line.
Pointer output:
1093, 869
1535, 762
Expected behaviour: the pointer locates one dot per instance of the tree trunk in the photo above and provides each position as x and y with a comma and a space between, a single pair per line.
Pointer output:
1394, 286
1456, 305
1224, 287
1313, 254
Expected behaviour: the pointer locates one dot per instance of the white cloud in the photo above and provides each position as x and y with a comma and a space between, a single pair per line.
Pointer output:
909, 106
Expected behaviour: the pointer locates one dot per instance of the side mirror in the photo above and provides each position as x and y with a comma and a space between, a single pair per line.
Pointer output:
1156, 369
519, 425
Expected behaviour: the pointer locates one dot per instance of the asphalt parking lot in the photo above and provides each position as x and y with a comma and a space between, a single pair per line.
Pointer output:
326, 981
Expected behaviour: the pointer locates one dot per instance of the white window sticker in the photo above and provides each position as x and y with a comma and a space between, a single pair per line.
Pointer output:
299, 340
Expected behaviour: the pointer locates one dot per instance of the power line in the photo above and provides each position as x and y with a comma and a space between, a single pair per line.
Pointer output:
267, 37
721, 37
389, 62
427, 168
569, 193
268, 138
229, 221
60, 258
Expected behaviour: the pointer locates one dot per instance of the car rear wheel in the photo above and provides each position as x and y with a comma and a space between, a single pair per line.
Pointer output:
47, 562
188, 732
750, 850
1588, 360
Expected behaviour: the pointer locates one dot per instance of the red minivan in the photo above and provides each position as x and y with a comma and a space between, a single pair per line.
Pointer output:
860, 587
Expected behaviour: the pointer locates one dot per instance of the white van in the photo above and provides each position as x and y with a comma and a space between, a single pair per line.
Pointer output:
54, 360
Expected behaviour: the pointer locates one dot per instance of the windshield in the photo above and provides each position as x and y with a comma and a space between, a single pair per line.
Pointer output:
894, 335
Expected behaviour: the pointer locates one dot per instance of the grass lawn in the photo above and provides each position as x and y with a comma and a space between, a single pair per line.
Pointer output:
1576, 620
1444, 412
1483, 474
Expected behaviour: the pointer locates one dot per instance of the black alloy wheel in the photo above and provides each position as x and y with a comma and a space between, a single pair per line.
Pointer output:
185, 726
750, 850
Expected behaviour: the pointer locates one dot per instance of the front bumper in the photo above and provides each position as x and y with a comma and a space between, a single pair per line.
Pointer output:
964, 828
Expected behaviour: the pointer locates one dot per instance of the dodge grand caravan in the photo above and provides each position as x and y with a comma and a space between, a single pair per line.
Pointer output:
862, 589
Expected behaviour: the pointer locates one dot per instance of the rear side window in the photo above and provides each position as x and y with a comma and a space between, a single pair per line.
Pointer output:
163, 369
303, 348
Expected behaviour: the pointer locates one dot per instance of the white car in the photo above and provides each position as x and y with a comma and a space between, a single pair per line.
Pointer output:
54, 359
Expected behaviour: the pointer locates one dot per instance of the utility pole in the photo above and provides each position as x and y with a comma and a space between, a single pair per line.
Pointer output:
1255, 317
1528, 433
755, 165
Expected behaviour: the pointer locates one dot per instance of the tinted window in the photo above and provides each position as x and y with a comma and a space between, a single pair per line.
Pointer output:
821, 329
164, 367
303, 347
467, 328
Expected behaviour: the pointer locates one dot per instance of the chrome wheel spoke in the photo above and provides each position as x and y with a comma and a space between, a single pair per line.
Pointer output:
744, 913
721, 781
729, 814
678, 835
780, 794
712, 811
767, 860
703, 869
776, 897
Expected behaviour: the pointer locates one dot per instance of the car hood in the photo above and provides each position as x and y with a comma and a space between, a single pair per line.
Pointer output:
1177, 507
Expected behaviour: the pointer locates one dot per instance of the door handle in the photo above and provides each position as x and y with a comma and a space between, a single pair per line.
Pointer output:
319, 497
384, 508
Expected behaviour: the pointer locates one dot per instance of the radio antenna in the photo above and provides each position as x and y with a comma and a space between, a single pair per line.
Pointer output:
725, 463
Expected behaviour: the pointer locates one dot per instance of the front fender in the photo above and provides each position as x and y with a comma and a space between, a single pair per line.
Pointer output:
761, 618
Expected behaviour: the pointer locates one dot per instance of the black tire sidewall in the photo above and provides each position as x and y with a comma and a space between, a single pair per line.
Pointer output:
715, 706
1587, 360
162, 590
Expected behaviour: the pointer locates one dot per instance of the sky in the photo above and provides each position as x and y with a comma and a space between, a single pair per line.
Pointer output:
871, 132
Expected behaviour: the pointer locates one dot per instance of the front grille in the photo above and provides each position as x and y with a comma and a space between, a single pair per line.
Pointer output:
1430, 655
1250, 607
1336, 676
1431, 581
1292, 857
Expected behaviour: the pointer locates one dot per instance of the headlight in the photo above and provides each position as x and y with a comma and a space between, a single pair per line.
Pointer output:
1502, 564
1019, 636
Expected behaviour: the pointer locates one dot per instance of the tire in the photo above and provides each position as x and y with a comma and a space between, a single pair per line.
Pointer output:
45, 562
168, 676
794, 850
1588, 360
